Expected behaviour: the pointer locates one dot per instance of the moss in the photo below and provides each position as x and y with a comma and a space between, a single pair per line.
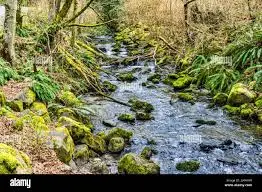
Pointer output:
39, 108
2, 99
127, 118
13, 161
20, 122
203, 122
63, 144
69, 99
258, 103
76, 129
82, 152
119, 132
240, 94
38, 123
65, 112
137, 105
259, 116
173, 76
185, 97
168, 81
154, 77
7, 113
220, 99
188, 166
147, 153
144, 116
28, 97
232, 110
16, 105
182, 82
116, 144
132, 164
95, 142
128, 77
247, 110
109, 87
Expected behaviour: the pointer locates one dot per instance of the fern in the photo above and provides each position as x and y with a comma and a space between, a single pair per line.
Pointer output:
6, 72
44, 87
258, 79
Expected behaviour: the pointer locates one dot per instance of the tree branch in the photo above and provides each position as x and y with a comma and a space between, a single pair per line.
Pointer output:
80, 12
83, 25
188, 2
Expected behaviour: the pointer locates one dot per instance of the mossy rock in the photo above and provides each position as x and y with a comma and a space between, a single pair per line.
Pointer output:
39, 108
63, 144
144, 116
116, 144
127, 77
82, 152
259, 117
133, 164
127, 118
13, 161
109, 123
2, 99
182, 82
188, 166
173, 76
109, 87
95, 142
137, 105
232, 110
168, 81
185, 97
258, 103
20, 122
7, 112
247, 110
69, 99
119, 132
147, 153
240, 94
155, 77
38, 123
15, 105
220, 99
77, 130
204, 122
65, 112
28, 97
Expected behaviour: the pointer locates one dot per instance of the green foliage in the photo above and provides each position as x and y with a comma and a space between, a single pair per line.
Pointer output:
6, 72
246, 49
44, 87
214, 75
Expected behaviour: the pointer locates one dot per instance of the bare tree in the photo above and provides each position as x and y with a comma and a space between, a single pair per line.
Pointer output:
9, 31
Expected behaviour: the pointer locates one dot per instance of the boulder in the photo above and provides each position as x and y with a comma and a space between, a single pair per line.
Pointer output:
119, 132
109, 87
138, 105
63, 144
77, 130
28, 97
185, 97
13, 161
240, 94
95, 142
69, 99
116, 144
82, 152
144, 116
147, 153
127, 118
232, 110
133, 164
15, 105
188, 166
97, 166
39, 108
127, 77
182, 82
109, 123
220, 99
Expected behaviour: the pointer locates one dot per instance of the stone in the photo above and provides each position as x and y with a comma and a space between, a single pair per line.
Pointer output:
147, 153
188, 166
69, 99
109, 123
144, 116
82, 152
127, 118
138, 105
15, 105
127, 77
39, 108
13, 161
109, 87
185, 97
232, 110
220, 99
182, 82
204, 122
97, 166
63, 144
240, 94
133, 164
116, 144
119, 132
28, 97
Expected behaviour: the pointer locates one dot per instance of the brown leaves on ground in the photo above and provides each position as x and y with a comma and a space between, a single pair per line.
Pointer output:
44, 159
13, 88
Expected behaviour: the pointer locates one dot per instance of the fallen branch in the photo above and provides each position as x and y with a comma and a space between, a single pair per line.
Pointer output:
84, 25
170, 46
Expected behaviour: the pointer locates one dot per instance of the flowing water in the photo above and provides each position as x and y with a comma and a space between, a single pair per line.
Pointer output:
220, 148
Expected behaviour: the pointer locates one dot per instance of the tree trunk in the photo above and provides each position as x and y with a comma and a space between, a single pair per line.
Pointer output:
74, 29
19, 17
9, 31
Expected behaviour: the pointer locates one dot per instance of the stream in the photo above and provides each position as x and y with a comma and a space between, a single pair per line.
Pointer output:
223, 148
